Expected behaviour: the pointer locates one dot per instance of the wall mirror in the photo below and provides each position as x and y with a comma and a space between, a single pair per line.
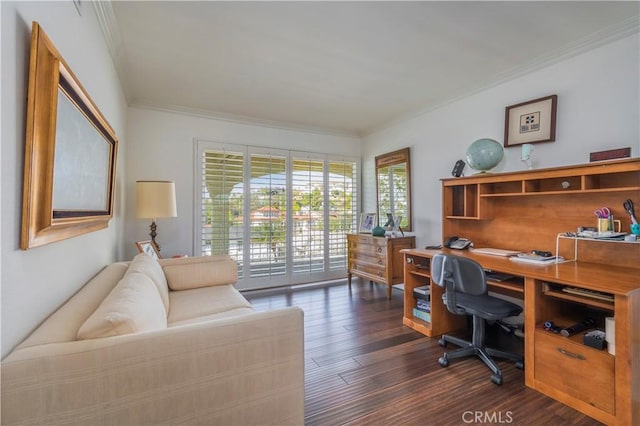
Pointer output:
70, 153
393, 187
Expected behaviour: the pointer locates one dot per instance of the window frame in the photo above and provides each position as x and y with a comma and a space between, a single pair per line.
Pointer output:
289, 278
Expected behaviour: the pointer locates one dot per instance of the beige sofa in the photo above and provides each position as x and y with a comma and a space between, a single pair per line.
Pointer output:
159, 342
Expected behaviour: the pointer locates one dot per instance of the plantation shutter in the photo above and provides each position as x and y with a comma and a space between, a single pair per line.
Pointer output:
222, 204
268, 205
283, 215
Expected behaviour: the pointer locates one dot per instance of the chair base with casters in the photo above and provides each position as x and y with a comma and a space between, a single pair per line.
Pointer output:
466, 293
477, 347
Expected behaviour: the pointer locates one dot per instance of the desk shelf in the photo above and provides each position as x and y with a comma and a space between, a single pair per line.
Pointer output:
576, 240
613, 176
602, 304
511, 285
417, 274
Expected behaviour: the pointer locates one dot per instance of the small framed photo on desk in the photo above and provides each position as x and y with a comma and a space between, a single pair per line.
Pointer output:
149, 248
367, 222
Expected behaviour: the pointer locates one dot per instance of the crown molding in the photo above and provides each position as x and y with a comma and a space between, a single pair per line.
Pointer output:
111, 32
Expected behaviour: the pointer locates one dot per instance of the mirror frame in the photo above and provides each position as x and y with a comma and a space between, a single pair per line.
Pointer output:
390, 159
50, 77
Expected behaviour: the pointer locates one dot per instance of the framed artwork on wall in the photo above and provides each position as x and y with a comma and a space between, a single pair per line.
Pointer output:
531, 122
70, 153
367, 222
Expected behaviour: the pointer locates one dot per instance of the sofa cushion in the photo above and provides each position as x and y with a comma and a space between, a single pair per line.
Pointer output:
237, 312
199, 302
149, 266
203, 271
134, 305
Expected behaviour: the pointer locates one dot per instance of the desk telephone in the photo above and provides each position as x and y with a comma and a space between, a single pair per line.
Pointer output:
457, 243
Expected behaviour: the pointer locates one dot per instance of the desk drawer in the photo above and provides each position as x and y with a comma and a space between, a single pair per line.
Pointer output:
374, 258
369, 269
575, 369
357, 240
368, 249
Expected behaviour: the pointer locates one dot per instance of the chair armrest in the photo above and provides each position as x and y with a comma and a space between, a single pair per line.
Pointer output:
241, 370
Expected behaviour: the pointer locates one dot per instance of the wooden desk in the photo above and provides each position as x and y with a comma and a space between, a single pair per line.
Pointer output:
603, 386
527, 210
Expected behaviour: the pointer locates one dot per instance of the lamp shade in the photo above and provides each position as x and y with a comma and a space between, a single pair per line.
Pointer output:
155, 199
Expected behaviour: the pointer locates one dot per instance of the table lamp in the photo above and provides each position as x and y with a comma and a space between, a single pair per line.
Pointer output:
155, 199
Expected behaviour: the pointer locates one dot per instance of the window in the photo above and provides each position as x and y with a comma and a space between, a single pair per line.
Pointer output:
283, 215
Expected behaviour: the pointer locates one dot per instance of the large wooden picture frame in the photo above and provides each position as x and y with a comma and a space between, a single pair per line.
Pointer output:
70, 153
531, 122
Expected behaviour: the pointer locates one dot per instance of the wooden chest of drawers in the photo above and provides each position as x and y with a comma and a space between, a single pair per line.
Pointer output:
378, 258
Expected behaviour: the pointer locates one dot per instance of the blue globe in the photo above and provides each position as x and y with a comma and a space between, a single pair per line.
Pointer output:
484, 154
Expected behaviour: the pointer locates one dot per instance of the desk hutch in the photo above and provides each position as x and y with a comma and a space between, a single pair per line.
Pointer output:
528, 210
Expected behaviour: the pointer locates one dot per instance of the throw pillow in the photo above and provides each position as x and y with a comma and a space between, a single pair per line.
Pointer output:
203, 271
149, 266
133, 305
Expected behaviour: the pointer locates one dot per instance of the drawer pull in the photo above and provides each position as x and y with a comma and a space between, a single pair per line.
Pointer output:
379, 249
380, 262
571, 354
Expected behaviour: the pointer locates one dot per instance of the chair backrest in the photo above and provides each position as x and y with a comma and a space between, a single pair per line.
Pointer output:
458, 275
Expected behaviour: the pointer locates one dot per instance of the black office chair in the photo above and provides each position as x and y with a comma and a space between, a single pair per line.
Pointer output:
465, 287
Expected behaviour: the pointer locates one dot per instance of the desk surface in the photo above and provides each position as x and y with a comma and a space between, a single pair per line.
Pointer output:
595, 276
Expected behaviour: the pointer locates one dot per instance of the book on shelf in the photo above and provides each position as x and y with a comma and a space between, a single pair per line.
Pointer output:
424, 316
423, 305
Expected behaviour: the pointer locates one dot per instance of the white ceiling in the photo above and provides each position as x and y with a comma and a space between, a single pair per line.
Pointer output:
340, 67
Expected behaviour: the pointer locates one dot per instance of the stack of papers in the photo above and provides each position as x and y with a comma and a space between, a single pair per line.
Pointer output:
536, 259
495, 251
602, 235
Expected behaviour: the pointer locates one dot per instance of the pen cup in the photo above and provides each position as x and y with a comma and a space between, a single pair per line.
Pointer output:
635, 228
606, 225
617, 226
603, 225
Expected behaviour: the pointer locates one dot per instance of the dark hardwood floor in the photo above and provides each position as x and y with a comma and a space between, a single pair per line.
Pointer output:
362, 366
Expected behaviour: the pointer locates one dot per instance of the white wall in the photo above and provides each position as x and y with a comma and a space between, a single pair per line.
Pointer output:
35, 282
598, 109
161, 147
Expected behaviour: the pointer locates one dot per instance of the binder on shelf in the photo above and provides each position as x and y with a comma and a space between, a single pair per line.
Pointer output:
422, 293
424, 290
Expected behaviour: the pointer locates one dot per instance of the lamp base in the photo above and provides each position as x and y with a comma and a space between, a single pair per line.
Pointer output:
153, 234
